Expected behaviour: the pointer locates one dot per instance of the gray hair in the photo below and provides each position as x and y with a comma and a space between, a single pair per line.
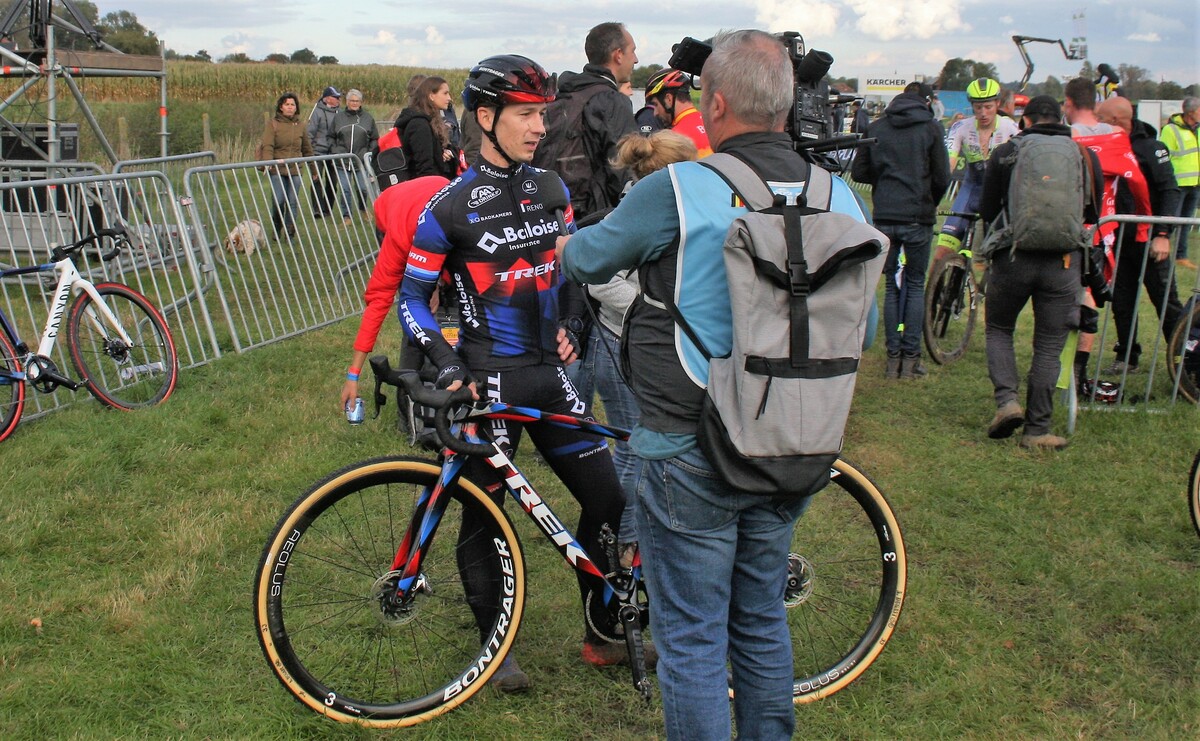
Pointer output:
752, 71
354, 93
1190, 104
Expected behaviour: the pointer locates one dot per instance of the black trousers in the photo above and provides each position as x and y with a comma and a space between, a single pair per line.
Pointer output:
1159, 288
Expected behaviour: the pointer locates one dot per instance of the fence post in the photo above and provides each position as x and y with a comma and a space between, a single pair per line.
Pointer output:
123, 151
206, 127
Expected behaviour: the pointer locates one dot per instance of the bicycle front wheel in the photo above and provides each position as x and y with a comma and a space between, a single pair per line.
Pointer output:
321, 597
12, 390
847, 573
950, 309
122, 375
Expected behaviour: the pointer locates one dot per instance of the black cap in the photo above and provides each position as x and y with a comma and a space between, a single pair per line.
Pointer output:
1043, 106
331, 90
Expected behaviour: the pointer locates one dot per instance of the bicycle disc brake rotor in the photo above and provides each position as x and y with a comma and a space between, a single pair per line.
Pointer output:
116, 349
800, 579
395, 610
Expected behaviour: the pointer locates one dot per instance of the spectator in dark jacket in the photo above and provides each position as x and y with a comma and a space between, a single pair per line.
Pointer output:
608, 115
1155, 163
354, 131
1050, 279
909, 171
424, 133
320, 131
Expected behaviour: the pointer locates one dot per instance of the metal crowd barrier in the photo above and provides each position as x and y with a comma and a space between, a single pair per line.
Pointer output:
1162, 376
160, 260
273, 282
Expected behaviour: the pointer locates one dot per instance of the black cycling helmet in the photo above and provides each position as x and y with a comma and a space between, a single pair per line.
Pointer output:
505, 79
667, 80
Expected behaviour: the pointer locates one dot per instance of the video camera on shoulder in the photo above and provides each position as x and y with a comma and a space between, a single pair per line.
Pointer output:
810, 120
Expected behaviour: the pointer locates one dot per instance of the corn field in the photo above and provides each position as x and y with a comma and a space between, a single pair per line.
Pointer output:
233, 97
196, 81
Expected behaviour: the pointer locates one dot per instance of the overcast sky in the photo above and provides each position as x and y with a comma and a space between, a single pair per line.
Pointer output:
865, 37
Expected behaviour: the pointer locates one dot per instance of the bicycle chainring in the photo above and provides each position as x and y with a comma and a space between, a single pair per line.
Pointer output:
40, 372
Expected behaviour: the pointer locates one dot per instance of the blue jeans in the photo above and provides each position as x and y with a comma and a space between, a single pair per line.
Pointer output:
621, 410
348, 200
283, 187
715, 562
1187, 209
908, 309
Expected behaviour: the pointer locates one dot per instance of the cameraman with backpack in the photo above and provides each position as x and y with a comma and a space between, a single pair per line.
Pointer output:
1045, 187
714, 554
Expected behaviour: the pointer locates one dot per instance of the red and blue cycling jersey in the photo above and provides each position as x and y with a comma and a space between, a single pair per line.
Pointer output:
493, 232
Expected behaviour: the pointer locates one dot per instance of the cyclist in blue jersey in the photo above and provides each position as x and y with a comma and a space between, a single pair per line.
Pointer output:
493, 232
973, 139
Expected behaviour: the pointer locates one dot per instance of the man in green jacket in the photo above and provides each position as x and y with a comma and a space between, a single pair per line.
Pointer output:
1180, 136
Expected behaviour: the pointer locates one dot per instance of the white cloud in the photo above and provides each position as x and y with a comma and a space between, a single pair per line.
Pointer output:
922, 19
810, 17
1151, 37
1007, 20
433, 36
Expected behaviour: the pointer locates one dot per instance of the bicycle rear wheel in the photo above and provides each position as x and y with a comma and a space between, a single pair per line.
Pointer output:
122, 376
847, 573
320, 590
1194, 493
12, 390
950, 309
1183, 355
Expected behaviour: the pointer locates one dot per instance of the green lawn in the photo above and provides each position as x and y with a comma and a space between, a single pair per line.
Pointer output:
1049, 595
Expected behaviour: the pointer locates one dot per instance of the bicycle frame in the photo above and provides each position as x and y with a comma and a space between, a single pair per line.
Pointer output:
70, 282
431, 505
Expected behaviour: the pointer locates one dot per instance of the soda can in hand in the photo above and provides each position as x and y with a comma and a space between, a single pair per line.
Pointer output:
355, 412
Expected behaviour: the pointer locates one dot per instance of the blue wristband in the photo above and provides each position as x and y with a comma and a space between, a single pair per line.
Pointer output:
351, 376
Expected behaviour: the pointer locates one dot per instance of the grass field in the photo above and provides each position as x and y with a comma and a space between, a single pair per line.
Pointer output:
1050, 596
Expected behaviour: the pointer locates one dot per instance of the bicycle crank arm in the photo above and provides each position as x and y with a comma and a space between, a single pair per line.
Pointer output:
631, 622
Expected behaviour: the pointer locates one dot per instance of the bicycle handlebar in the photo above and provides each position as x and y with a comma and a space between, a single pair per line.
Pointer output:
440, 400
117, 234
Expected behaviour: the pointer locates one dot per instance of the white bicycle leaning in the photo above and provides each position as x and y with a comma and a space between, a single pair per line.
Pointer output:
118, 342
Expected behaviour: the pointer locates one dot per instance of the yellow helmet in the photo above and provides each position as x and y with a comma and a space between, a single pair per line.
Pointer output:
983, 89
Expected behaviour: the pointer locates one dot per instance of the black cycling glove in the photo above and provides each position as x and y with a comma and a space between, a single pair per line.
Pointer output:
451, 373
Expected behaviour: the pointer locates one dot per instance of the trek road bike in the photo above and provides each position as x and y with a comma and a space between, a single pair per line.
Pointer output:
363, 616
118, 342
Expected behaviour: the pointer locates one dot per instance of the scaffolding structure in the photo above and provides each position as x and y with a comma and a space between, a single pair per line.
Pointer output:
44, 61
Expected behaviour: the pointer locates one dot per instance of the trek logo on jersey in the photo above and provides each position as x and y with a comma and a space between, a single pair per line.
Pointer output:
544, 269
489, 242
482, 195
529, 186
528, 206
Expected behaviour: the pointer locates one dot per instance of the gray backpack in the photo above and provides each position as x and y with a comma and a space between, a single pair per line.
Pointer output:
801, 281
1046, 195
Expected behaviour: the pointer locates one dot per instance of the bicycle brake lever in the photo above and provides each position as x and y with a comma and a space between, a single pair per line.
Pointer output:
380, 398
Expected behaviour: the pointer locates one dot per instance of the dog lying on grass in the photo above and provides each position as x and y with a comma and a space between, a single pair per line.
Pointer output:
245, 237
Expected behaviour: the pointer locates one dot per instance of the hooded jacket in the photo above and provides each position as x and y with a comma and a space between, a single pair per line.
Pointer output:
320, 127
1155, 163
908, 166
421, 147
607, 117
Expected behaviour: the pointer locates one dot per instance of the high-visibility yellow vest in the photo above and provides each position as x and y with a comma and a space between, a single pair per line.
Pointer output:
1185, 153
